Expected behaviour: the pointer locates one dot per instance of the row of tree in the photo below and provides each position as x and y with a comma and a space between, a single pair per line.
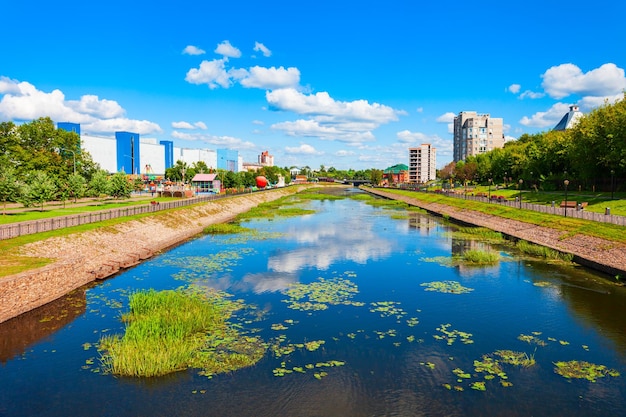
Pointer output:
592, 154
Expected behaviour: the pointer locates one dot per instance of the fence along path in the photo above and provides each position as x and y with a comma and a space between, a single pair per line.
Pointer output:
556, 210
12, 230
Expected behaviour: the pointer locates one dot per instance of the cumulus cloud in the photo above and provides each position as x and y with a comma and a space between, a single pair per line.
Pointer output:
312, 128
514, 88
303, 149
259, 47
547, 118
212, 73
270, 78
531, 94
92, 105
446, 118
189, 126
227, 50
407, 136
193, 50
228, 142
566, 79
23, 101
343, 153
321, 104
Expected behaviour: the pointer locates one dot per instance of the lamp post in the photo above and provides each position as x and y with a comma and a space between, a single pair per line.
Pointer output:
489, 194
505, 180
521, 181
566, 183
73, 157
612, 182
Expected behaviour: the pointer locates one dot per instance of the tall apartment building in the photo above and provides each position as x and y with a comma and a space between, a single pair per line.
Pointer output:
422, 163
475, 134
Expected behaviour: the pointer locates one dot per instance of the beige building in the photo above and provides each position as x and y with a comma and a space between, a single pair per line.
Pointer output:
422, 163
475, 134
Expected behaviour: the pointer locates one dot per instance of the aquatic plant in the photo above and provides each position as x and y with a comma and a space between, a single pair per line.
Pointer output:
480, 257
318, 295
451, 335
387, 309
449, 287
516, 358
478, 233
532, 339
226, 229
543, 251
172, 330
583, 370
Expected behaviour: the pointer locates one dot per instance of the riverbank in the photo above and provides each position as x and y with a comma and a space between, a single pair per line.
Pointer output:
84, 257
600, 254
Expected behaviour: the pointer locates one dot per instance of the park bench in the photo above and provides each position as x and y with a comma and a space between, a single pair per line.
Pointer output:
573, 204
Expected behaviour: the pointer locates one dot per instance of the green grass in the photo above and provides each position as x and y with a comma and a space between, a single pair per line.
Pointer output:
226, 229
480, 257
173, 330
570, 225
479, 233
543, 252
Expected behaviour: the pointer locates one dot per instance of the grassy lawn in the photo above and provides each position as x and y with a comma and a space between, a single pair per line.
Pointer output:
597, 202
21, 214
568, 224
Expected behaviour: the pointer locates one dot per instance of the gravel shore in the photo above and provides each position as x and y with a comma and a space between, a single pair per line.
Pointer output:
600, 254
83, 257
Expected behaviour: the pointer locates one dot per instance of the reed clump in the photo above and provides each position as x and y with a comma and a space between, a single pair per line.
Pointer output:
543, 251
481, 257
172, 330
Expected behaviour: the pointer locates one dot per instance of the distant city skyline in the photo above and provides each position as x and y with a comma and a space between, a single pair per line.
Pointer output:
327, 84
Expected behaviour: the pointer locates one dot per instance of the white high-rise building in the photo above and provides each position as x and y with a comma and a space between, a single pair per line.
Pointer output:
422, 163
475, 134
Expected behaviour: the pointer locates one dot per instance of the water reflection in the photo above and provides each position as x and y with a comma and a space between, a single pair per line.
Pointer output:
325, 244
17, 334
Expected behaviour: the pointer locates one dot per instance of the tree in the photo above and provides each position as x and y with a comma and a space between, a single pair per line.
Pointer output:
99, 184
9, 186
40, 189
77, 186
120, 186
376, 176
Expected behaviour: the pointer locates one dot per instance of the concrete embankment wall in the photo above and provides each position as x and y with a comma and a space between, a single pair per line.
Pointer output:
84, 257
603, 255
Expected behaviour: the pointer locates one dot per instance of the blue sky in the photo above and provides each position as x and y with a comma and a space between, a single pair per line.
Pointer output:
333, 83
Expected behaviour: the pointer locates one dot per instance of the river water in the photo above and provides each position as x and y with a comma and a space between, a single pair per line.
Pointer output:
401, 344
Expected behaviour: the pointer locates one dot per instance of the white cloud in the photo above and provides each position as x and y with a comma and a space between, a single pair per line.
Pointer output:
116, 125
547, 118
182, 125
343, 153
420, 110
567, 79
258, 122
312, 128
303, 149
23, 101
588, 103
259, 47
446, 118
228, 142
212, 73
270, 78
531, 95
226, 49
321, 104
193, 50
514, 88
92, 105
407, 136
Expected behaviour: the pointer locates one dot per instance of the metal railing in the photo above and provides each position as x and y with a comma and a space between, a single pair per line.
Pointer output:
12, 230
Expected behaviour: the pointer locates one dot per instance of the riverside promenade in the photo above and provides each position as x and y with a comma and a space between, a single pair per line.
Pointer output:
600, 254
80, 258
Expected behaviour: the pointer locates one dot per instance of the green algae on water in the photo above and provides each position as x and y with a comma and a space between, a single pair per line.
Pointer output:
448, 287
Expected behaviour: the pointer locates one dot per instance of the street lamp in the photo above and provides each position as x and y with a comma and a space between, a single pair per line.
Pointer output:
489, 195
566, 182
612, 183
520, 192
74, 157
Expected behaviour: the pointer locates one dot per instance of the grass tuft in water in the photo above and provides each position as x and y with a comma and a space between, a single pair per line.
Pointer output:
543, 252
480, 257
172, 330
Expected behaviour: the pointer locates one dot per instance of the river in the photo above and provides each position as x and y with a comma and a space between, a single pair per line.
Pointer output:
413, 331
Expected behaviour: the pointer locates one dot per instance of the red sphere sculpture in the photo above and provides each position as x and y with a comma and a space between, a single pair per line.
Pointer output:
261, 181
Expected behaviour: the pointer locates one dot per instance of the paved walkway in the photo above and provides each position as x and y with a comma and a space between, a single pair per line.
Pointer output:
600, 254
